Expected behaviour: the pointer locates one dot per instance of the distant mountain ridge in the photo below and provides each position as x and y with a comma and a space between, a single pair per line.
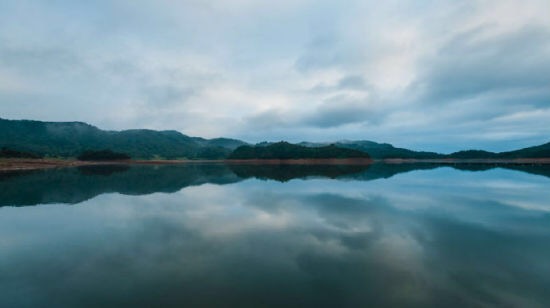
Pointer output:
380, 150
69, 139
388, 151
285, 150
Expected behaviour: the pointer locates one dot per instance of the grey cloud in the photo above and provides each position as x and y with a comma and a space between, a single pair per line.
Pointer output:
123, 69
40, 61
267, 119
318, 53
336, 111
341, 110
355, 82
470, 65
65, 61
332, 113
167, 95
336, 116
348, 82
48, 67
326, 52
476, 78
173, 88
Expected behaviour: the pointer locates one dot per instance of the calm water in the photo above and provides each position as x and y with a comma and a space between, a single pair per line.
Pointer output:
213, 235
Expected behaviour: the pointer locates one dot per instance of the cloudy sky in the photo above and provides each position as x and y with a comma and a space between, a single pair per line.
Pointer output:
437, 75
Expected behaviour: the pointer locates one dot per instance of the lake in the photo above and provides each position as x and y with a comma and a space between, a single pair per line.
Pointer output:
413, 235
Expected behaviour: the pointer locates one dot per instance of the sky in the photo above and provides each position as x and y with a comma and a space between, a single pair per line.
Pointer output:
435, 75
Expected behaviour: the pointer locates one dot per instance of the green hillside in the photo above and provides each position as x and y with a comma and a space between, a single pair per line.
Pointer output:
25, 138
385, 151
380, 150
541, 151
70, 139
472, 154
285, 150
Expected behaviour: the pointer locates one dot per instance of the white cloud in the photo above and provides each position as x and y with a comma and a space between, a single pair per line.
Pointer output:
438, 71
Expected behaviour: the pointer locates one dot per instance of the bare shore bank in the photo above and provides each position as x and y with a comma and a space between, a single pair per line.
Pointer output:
33, 164
7, 165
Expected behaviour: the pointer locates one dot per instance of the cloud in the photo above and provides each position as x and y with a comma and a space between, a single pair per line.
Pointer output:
340, 110
267, 119
471, 64
354, 82
437, 73
323, 53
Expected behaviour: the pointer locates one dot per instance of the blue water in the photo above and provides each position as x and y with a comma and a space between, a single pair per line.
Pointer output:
214, 236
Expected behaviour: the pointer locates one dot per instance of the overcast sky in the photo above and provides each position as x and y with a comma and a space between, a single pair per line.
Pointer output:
436, 75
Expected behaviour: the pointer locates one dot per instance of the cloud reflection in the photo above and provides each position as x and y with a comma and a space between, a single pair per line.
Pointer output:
308, 243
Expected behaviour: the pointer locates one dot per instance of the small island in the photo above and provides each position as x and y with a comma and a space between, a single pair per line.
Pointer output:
102, 155
284, 152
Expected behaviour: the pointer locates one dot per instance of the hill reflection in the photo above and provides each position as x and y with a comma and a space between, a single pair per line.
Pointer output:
75, 185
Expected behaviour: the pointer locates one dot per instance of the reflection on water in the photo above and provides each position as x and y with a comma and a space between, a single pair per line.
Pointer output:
216, 235
75, 185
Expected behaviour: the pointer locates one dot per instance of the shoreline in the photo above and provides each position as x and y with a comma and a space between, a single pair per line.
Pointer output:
15, 164
301, 161
472, 161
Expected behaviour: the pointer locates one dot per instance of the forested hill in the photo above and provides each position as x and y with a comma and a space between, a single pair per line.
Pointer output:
285, 150
540, 151
70, 139
25, 138
380, 150
385, 151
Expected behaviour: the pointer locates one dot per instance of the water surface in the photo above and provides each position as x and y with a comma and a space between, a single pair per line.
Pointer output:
255, 236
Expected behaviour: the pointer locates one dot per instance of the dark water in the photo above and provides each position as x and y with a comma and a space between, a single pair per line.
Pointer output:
257, 236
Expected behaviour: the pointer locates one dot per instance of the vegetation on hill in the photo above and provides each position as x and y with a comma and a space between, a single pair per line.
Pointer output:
472, 154
224, 143
102, 155
9, 153
380, 150
541, 151
285, 150
34, 139
69, 139
384, 151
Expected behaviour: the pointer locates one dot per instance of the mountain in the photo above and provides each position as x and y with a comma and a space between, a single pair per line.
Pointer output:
285, 150
69, 139
472, 154
379, 150
385, 151
540, 151
25, 138
226, 143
